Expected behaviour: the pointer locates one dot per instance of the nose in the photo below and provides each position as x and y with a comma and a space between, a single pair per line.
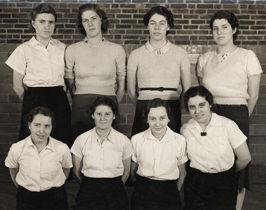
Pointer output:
47, 25
102, 118
156, 26
219, 31
157, 123
197, 110
41, 130
89, 22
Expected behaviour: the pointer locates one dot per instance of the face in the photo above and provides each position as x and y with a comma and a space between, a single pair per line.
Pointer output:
199, 109
223, 32
158, 121
103, 117
40, 128
91, 23
158, 27
44, 25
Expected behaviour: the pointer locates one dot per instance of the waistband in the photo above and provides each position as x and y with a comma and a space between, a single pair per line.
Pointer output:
47, 88
161, 89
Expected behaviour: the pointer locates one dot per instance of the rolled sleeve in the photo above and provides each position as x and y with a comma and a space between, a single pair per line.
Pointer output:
11, 160
185, 62
127, 149
133, 61
133, 150
67, 160
253, 64
76, 149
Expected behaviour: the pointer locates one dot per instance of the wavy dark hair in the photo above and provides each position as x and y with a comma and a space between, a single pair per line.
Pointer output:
161, 11
197, 91
95, 8
229, 16
39, 110
103, 101
154, 103
40, 9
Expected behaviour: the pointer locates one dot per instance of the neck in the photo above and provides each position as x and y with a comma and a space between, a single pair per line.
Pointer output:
159, 136
95, 41
103, 133
44, 42
227, 49
204, 125
40, 146
158, 44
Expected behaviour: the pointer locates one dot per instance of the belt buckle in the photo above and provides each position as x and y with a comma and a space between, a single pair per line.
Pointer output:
161, 89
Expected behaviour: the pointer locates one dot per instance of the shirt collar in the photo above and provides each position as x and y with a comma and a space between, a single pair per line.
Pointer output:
167, 137
86, 40
110, 137
50, 144
215, 121
163, 50
34, 42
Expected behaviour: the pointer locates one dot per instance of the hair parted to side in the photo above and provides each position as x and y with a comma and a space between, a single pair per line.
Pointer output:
198, 91
103, 101
154, 103
161, 11
39, 110
40, 9
229, 16
95, 8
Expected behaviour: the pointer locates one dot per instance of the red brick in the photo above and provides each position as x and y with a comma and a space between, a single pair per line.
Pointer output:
9, 128
258, 159
8, 138
260, 149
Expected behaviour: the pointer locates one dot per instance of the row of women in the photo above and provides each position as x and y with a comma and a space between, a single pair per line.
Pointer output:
94, 67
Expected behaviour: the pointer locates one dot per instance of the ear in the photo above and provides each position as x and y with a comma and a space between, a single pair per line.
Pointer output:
234, 31
32, 23
113, 117
92, 116
29, 125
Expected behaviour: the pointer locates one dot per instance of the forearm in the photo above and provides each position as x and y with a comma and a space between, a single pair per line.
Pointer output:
66, 172
13, 173
78, 177
180, 182
133, 171
120, 94
125, 176
241, 164
251, 103
71, 86
133, 97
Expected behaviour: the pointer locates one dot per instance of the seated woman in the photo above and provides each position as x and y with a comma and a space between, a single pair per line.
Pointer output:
101, 159
213, 141
158, 161
39, 165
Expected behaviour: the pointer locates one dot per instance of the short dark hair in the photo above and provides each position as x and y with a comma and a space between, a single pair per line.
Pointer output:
198, 91
39, 110
229, 16
161, 11
154, 103
104, 101
95, 8
39, 9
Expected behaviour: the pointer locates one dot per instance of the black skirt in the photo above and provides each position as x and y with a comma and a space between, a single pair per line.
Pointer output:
101, 194
239, 114
206, 191
50, 97
52, 199
140, 124
152, 194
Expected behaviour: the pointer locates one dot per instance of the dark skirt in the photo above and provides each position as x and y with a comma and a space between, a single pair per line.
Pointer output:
206, 191
140, 124
239, 114
101, 194
50, 97
52, 199
152, 194
80, 109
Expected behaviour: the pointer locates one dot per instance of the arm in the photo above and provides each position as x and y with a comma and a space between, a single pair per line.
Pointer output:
77, 166
126, 163
133, 170
182, 175
71, 86
200, 81
243, 156
253, 91
66, 172
18, 84
132, 86
120, 90
13, 173
185, 79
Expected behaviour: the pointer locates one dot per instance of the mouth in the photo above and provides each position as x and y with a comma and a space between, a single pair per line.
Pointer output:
40, 136
157, 34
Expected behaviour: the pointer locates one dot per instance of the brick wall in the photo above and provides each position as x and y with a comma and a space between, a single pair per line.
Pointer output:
191, 32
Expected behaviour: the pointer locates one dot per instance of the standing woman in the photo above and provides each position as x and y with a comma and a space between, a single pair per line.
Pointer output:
101, 160
39, 165
94, 66
38, 76
158, 161
213, 142
232, 74
156, 69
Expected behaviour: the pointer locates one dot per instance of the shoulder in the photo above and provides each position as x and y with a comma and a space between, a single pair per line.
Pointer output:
58, 144
59, 44
138, 138
178, 49
75, 45
207, 55
120, 135
226, 122
245, 52
177, 137
138, 50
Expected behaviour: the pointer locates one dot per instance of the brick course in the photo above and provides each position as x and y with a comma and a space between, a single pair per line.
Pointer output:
191, 32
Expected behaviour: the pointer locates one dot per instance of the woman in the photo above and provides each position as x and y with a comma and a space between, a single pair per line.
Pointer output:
101, 159
232, 74
213, 141
39, 165
158, 161
156, 69
38, 76
94, 67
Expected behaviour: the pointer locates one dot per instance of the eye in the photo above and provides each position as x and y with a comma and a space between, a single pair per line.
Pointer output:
42, 21
215, 29
191, 107
107, 114
152, 118
162, 118
47, 126
51, 22
85, 20
202, 105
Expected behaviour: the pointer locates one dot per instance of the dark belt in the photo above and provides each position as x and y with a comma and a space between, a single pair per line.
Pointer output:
158, 89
